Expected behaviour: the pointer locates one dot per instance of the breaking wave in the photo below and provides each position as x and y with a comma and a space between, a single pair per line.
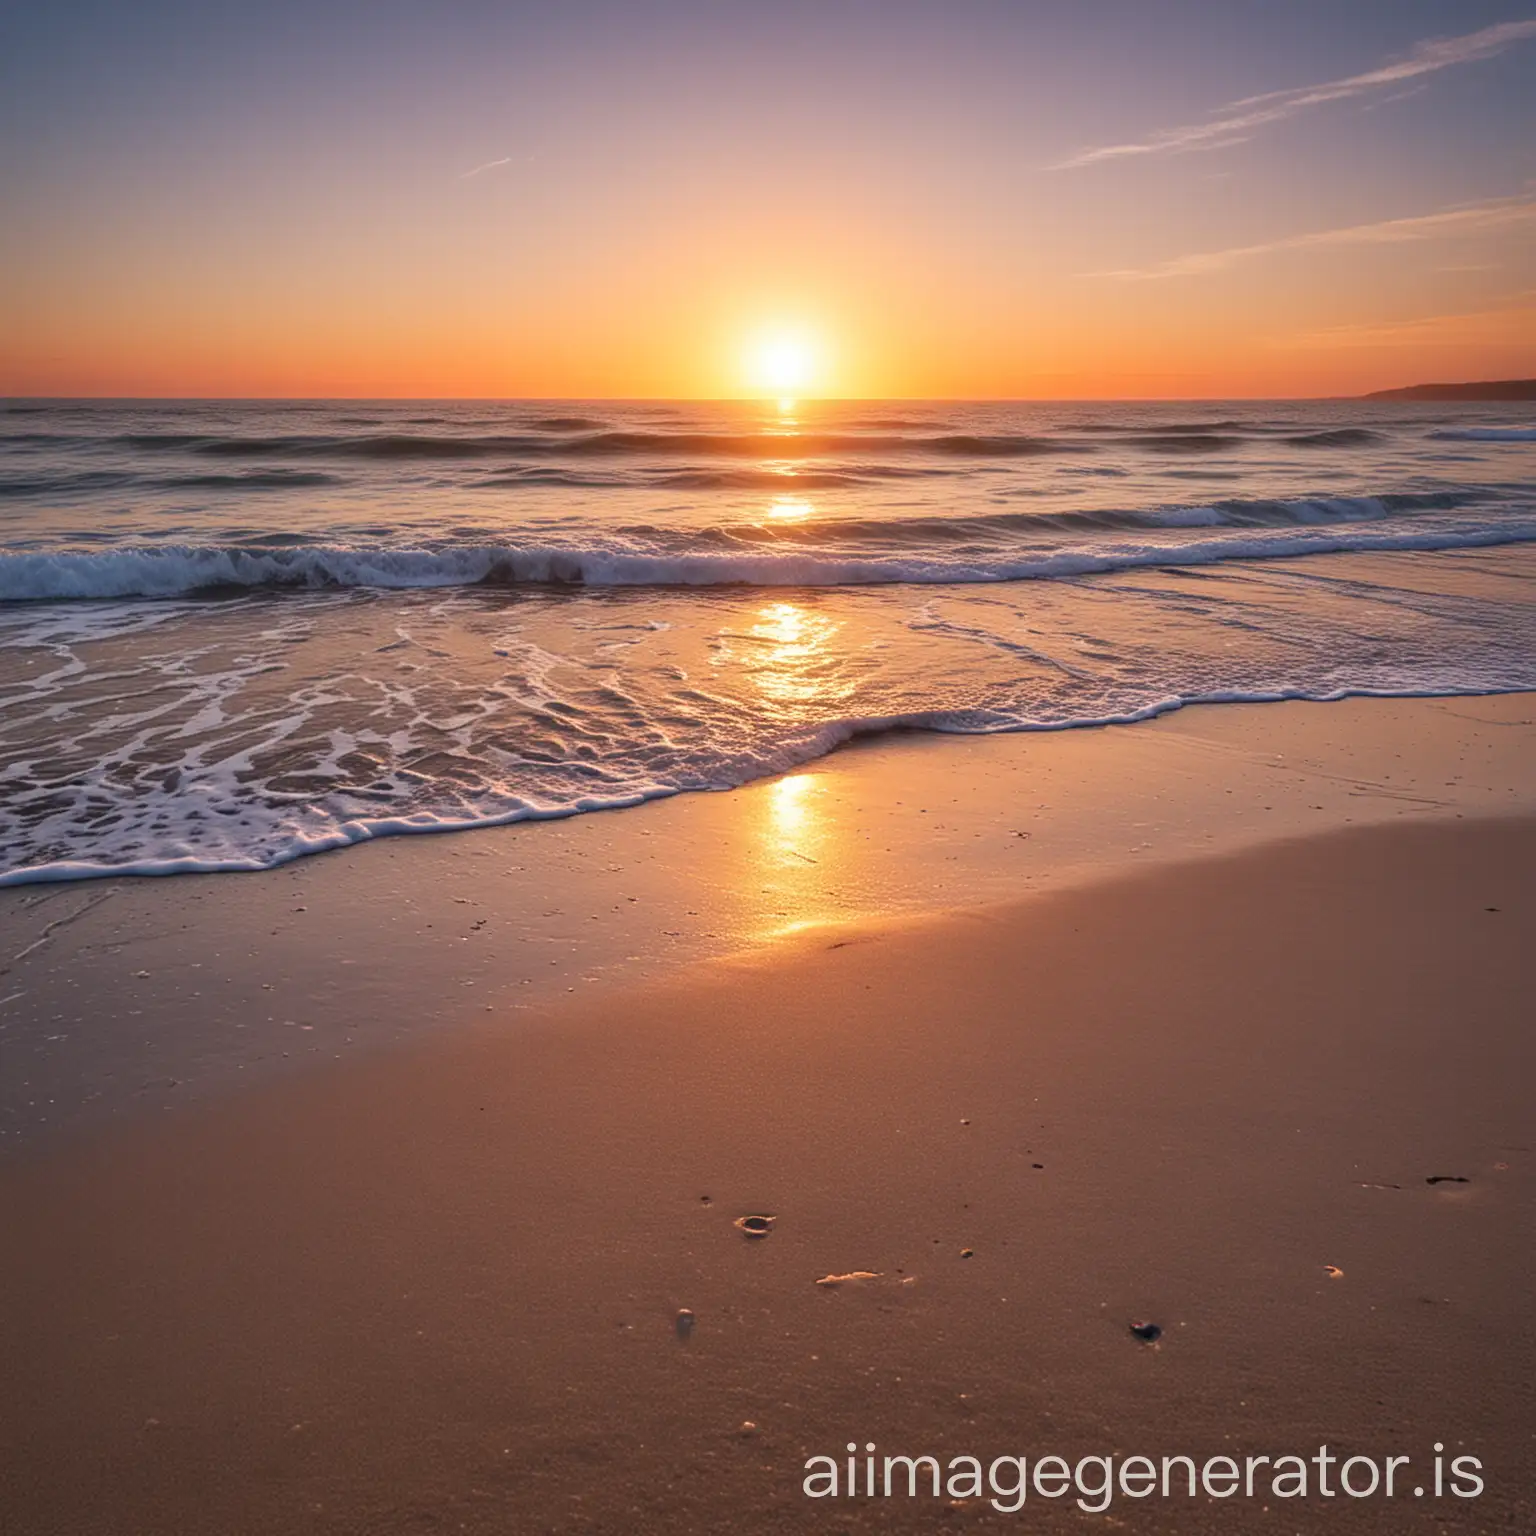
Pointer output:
997, 548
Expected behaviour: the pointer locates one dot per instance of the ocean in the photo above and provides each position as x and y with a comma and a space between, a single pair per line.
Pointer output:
236, 633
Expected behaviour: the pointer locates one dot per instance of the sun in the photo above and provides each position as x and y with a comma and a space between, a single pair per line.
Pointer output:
784, 362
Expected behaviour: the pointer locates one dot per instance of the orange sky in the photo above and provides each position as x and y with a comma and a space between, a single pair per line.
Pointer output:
561, 213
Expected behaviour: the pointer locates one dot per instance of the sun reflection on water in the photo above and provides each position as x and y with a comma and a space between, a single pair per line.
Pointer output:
794, 663
790, 509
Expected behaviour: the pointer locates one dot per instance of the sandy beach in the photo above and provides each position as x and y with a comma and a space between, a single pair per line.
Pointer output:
1271, 1100
767, 769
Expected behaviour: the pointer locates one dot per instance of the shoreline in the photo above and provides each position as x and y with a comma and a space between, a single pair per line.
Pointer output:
124, 999
438, 1285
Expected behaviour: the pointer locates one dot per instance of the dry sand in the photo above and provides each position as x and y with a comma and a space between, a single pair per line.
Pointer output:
437, 1288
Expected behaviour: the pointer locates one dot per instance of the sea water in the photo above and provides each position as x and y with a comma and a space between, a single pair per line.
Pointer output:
233, 633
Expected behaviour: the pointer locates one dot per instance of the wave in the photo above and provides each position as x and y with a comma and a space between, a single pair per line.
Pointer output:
757, 480
1234, 512
789, 484
64, 485
579, 436
565, 424
1188, 442
86, 481
781, 445
1162, 427
773, 480
1488, 434
251, 480
1338, 437
574, 437
570, 438
733, 557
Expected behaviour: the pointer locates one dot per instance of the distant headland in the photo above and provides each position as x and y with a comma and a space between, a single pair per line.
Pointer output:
1501, 389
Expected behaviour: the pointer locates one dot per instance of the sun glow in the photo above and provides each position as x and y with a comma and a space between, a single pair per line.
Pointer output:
784, 363
790, 509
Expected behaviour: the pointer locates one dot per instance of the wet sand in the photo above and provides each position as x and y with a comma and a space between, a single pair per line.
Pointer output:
437, 1288
121, 999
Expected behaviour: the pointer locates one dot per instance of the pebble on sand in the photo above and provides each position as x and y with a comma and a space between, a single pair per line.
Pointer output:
684, 1323
1149, 1333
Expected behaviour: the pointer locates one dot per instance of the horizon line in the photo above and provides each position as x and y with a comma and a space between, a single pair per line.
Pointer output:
797, 400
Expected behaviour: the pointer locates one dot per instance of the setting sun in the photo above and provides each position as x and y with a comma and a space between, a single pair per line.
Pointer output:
784, 363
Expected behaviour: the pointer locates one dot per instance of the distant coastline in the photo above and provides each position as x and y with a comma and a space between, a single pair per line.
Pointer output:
1501, 389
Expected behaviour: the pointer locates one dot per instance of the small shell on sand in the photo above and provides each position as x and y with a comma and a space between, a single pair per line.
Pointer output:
852, 1276
684, 1323
755, 1226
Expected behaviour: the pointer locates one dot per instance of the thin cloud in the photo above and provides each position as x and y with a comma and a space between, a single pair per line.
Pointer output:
1489, 217
490, 165
1503, 323
1237, 119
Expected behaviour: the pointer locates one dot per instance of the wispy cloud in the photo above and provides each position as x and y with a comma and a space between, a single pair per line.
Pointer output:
1492, 216
490, 165
1236, 120
1504, 323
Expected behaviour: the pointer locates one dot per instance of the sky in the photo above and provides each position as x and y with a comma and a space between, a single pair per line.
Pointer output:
968, 199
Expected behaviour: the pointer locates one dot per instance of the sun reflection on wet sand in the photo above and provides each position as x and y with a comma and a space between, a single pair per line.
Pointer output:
789, 806
796, 852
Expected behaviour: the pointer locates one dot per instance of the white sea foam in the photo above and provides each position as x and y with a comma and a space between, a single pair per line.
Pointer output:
298, 837
1354, 524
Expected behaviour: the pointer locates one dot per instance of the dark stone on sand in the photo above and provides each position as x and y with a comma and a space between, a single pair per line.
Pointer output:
1148, 1333
1447, 1178
966, 1253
